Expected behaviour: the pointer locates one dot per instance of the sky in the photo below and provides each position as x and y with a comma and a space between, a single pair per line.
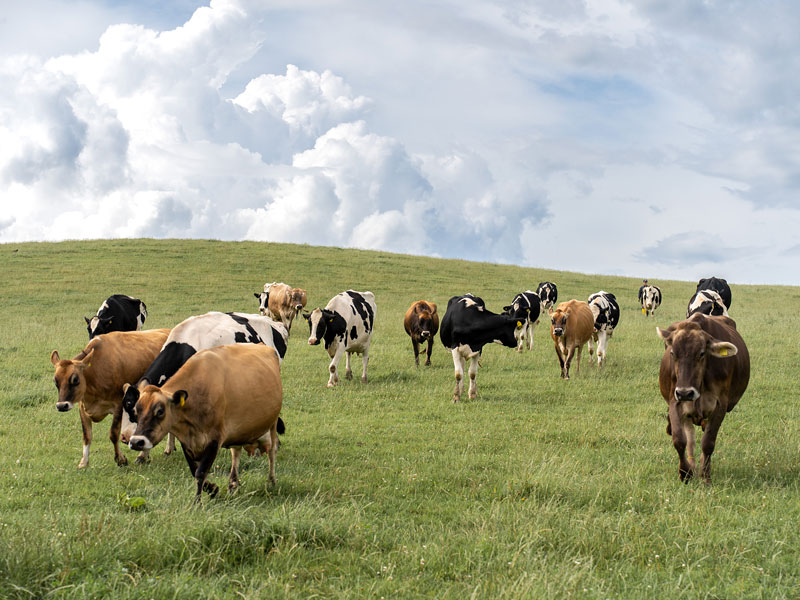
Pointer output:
655, 138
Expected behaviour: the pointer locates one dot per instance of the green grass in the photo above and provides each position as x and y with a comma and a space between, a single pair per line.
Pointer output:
540, 488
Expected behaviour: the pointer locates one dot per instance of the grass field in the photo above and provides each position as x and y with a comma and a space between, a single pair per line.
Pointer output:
540, 488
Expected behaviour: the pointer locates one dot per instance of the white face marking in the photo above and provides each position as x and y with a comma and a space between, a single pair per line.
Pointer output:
127, 428
314, 319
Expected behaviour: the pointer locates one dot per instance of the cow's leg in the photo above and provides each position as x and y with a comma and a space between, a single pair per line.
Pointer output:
273, 453
568, 360
204, 462
560, 358
430, 349
709, 441
458, 363
473, 377
348, 373
592, 341
578, 360
602, 348
334, 366
364, 361
170, 444
86, 428
233, 480
116, 424
415, 345
682, 440
531, 328
519, 333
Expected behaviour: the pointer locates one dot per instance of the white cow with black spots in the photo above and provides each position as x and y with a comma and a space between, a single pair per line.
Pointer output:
605, 310
345, 325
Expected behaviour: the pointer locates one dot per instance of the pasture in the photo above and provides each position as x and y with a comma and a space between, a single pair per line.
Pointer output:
540, 488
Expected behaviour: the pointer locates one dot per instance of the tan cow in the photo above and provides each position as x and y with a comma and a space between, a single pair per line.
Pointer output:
281, 302
226, 396
421, 323
571, 326
705, 369
94, 378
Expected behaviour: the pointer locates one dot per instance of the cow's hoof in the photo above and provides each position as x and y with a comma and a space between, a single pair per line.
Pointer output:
427, 363
122, 461
211, 488
456, 399
83, 465
364, 379
331, 384
348, 375
233, 487
141, 460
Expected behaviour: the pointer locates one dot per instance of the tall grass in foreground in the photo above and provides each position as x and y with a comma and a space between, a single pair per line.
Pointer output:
539, 488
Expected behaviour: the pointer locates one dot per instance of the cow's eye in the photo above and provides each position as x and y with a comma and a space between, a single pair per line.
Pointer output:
73, 380
159, 412
702, 354
672, 354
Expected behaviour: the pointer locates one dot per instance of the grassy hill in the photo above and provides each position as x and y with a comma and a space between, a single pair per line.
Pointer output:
539, 488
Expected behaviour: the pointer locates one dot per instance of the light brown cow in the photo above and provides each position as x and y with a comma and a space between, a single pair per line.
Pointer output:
705, 369
571, 326
281, 302
94, 378
422, 323
227, 396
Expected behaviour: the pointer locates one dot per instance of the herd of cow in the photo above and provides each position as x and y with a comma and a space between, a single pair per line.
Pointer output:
213, 381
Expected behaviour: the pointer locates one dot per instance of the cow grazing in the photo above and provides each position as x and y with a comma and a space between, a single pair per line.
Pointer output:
571, 326
466, 328
525, 307
199, 333
718, 285
548, 294
94, 378
421, 323
649, 298
606, 312
705, 369
345, 325
227, 396
707, 302
281, 302
117, 313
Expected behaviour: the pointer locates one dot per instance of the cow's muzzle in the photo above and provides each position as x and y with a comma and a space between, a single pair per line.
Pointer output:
425, 335
688, 394
63, 406
558, 332
140, 442
262, 312
313, 341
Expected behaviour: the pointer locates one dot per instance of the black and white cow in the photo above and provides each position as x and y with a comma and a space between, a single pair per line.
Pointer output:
345, 325
548, 294
707, 302
466, 328
649, 298
117, 313
199, 333
718, 285
525, 307
605, 309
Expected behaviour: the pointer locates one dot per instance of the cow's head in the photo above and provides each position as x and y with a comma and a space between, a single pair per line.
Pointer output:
70, 379
263, 299
689, 348
323, 324
649, 297
558, 322
155, 411
298, 299
98, 325
424, 314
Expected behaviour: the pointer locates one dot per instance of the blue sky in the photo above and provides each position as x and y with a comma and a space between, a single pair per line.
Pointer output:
650, 139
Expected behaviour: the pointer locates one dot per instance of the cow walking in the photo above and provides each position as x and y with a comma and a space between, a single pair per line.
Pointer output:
421, 322
707, 302
606, 313
466, 328
571, 326
117, 313
718, 285
525, 307
222, 397
94, 378
281, 302
548, 295
649, 298
345, 325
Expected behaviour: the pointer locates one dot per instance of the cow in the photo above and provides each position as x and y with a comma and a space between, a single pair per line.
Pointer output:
707, 302
117, 313
525, 307
467, 326
605, 308
649, 298
189, 337
345, 325
226, 396
548, 294
718, 285
705, 370
571, 326
94, 378
421, 323
281, 302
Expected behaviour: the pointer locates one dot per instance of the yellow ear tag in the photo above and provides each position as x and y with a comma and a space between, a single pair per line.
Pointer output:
723, 352
643, 310
519, 323
183, 400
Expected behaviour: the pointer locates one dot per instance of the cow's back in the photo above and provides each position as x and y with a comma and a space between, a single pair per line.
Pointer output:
580, 322
121, 357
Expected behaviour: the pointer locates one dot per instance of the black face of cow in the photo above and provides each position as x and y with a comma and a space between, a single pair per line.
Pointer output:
316, 325
98, 326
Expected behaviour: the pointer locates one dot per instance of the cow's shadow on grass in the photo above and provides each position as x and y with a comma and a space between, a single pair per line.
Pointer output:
749, 477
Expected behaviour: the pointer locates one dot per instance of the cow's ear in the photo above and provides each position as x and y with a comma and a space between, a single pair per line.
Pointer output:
257, 294
506, 308
87, 319
86, 361
722, 349
664, 334
306, 316
179, 397
54, 357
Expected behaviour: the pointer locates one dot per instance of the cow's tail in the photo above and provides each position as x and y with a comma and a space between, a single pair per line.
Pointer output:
281, 427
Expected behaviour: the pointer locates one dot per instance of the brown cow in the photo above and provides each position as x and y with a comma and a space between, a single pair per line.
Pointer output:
571, 326
422, 323
281, 302
94, 379
704, 371
226, 396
